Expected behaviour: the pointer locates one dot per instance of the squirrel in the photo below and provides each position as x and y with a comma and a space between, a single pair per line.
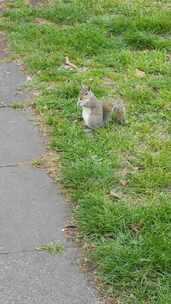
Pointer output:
97, 113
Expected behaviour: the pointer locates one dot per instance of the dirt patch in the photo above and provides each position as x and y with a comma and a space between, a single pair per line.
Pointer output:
38, 2
111, 301
43, 21
3, 45
70, 232
2, 6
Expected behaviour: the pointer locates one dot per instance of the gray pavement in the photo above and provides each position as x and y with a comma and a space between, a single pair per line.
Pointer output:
11, 83
32, 213
40, 278
19, 137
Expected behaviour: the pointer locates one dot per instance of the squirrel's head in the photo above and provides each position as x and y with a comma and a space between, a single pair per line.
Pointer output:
85, 95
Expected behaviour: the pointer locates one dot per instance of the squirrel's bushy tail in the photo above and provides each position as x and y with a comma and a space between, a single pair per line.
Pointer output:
118, 107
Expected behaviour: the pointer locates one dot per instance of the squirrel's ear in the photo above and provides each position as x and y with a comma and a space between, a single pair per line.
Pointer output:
85, 88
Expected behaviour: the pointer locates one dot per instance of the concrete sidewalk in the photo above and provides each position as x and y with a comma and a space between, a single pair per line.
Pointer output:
32, 213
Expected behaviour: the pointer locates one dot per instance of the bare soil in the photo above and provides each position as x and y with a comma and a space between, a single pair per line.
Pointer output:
3, 45
37, 2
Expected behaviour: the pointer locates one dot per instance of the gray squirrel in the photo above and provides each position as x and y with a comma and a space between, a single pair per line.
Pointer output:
97, 113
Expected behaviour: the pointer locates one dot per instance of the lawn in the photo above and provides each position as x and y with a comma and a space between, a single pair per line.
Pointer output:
122, 47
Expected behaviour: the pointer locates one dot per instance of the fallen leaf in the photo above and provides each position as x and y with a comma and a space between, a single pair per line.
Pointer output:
115, 194
71, 226
29, 78
69, 65
83, 69
111, 301
70, 231
139, 73
124, 183
109, 82
36, 93
41, 21
169, 58
136, 227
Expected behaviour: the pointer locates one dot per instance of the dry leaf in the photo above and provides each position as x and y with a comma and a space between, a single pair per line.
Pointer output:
29, 78
70, 231
115, 194
169, 58
83, 69
69, 65
71, 226
139, 73
42, 21
36, 93
109, 82
112, 301
124, 183
136, 227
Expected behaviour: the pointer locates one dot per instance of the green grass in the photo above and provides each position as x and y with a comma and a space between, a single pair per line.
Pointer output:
52, 248
17, 106
131, 236
37, 163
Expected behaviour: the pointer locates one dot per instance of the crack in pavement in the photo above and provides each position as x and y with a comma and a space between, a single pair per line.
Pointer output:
19, 251
8, 166
18, 164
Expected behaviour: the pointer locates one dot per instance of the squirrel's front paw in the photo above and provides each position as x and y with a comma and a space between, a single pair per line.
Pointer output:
80, 103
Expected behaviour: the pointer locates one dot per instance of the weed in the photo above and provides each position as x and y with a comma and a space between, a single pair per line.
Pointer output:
52, 248
37, 163
17, 106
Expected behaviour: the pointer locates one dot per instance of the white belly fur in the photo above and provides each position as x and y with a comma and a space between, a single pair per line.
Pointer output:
86, 115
